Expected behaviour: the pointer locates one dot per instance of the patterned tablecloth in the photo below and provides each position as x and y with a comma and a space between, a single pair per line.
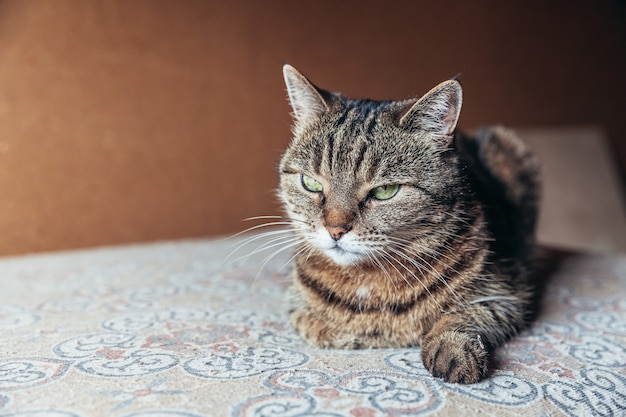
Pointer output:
168, 329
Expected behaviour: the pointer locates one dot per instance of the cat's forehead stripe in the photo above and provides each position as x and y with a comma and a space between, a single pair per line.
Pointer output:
361, 156
371, 122
346, 146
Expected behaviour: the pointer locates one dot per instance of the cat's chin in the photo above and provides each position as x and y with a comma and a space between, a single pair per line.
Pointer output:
343, 257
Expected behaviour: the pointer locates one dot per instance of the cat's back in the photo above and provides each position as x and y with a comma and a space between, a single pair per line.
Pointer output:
505, 175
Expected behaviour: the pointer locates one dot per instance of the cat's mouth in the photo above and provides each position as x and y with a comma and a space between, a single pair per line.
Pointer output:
344, 252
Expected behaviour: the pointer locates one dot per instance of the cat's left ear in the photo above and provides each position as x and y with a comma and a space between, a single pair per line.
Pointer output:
437, 111
307, 101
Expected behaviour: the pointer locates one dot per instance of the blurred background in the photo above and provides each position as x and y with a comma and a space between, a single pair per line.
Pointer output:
131, 121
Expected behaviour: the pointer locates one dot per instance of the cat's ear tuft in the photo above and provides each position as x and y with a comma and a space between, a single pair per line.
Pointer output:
437, 111
306, 99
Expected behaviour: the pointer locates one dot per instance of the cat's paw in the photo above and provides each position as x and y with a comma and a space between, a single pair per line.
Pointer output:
456, 357
315, 331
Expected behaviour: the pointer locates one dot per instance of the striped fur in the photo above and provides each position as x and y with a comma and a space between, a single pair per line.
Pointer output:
444, 263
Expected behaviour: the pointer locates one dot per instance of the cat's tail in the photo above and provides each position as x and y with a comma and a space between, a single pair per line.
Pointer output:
507, 174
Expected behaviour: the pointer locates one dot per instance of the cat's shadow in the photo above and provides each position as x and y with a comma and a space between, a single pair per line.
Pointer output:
548, 262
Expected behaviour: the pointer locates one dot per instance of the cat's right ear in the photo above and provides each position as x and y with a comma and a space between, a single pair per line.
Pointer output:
306, 99
437, 111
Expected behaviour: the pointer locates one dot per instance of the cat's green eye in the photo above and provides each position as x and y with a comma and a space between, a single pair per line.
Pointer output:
385, 192
312, 185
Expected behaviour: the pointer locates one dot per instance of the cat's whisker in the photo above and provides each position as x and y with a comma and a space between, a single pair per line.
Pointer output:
391, 283
311, 251
436, 236
429, 269
407, 246
423, 248
306, 246
419, 267
270, 243
262, 225
432, 253
279, 241
255, 238
419, 253
377, 262
459, 218
289, 219
258, 236
413, 274
247, 219
389, 259
288, 245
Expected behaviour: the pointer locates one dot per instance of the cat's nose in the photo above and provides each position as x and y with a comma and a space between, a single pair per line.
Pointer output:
336, 232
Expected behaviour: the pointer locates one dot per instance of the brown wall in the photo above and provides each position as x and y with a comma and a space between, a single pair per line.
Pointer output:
126, 121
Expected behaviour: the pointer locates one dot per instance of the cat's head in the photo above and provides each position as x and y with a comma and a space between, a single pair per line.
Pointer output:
362, 178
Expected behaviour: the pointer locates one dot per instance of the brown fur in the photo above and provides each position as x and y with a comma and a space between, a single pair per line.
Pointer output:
444, 263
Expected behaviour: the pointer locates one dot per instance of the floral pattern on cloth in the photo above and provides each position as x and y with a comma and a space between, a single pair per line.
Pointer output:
169, 330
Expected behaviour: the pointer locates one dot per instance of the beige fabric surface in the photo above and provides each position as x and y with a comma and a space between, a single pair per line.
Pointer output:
169, 330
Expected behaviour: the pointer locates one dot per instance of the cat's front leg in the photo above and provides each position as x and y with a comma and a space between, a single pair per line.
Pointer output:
455, 353
318, 332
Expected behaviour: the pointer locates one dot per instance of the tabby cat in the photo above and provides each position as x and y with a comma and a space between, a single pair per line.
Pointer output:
409, 232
